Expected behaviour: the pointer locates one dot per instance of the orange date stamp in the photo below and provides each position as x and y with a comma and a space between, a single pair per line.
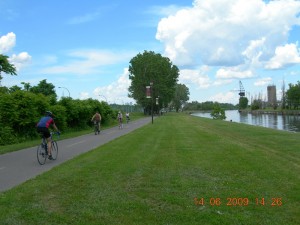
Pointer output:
232, 201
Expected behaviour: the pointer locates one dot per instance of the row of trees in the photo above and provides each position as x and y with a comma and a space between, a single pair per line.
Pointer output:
208, 106
21, 109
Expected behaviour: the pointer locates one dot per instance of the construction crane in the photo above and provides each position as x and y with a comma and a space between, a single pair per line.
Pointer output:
242, 90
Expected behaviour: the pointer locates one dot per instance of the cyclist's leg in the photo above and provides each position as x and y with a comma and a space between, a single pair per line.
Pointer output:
48, 139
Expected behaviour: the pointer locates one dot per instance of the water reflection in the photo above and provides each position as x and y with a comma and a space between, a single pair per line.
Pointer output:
280, 122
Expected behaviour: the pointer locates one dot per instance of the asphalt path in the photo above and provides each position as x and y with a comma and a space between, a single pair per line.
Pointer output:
20, 166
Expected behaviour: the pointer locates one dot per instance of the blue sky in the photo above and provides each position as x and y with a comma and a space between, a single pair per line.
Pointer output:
86, 46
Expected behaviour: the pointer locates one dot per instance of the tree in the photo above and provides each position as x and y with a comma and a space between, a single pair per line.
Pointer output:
218, 113
181, 95
243, 103
293, 95
256, 104
152, 67
6, 67
44, 88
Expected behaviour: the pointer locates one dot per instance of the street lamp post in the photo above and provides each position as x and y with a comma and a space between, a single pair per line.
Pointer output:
151, 93
67, 90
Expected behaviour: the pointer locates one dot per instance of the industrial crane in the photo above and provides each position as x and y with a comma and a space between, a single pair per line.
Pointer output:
242, 90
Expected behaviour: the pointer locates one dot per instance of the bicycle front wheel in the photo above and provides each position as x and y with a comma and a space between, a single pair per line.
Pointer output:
54, 150
41, 154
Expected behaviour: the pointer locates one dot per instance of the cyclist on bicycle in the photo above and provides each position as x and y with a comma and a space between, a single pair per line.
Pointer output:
97, 120
43, 128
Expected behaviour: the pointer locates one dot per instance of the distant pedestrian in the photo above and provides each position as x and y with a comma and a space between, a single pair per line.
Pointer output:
120, 120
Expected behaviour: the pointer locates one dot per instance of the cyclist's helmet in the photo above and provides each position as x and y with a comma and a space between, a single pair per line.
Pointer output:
48, 113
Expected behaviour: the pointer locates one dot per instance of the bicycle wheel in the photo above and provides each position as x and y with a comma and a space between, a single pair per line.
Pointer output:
41, 154
54, 150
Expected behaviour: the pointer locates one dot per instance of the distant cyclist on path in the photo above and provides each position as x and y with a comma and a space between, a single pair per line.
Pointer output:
43, 128
97, 120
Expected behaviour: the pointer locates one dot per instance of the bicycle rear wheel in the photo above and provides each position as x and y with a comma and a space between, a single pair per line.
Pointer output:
54, 150
41, 154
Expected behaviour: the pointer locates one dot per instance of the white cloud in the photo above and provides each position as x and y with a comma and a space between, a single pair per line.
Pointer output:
231, 72
82, 62
263, 81
20, 60
7, 42
285, 55
196, 77
116, 92
227, 32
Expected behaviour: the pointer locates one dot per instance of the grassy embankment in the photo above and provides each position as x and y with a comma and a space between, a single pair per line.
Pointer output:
159, 173
65, 135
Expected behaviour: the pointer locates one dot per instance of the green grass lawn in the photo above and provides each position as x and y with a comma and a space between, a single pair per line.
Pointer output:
160, 173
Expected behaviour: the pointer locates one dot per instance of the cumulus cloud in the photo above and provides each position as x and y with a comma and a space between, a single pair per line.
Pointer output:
114, 92
197, 77
20, 60
228, 32
7, 42
229, 73
285, 55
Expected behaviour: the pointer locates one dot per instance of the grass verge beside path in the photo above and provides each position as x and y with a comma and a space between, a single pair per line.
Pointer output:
159, 174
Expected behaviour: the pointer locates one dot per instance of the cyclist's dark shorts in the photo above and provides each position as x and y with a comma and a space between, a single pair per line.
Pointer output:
44, 131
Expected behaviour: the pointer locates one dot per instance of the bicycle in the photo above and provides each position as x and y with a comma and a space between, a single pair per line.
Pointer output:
96, 127
42, 150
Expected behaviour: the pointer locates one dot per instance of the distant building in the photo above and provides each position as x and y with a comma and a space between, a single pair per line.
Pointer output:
272, 100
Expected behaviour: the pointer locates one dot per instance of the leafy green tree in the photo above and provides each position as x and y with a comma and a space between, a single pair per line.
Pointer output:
14, 88
152, 67
256, 104
6, 67
46, 89
181, 95
293, 96
218, 113
243, 103
26, 85
20, 111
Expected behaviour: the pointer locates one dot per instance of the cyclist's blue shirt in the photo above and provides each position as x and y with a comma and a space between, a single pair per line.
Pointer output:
45, 122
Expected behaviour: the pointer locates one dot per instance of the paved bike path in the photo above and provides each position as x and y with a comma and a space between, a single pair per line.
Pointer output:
20, 166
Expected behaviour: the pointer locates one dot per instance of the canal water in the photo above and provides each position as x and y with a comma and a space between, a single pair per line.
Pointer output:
279, 122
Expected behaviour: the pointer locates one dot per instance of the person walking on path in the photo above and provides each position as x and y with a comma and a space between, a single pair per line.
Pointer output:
120, 120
